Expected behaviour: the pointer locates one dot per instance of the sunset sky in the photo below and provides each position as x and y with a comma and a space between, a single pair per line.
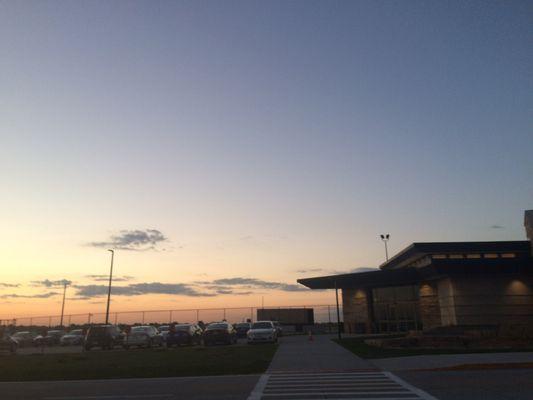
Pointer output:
226, 149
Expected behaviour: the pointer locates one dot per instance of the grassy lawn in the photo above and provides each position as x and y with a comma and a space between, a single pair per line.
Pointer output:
189, 361
363, 350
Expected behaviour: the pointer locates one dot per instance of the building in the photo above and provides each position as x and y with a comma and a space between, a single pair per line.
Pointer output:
298, 317
432, 285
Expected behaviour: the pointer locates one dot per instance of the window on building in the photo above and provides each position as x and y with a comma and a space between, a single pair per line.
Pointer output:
508, 255
473, 256
396, 308
438, 256
455, 256
490, 255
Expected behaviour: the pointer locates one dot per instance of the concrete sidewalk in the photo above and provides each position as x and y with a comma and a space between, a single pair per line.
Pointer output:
298, 353
449, 360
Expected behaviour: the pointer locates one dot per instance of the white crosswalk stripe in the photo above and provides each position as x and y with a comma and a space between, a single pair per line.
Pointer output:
335, 385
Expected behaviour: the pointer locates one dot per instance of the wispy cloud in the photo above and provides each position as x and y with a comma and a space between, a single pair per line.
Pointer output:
9, 285
105, 278
137, 289
258, 284
338, 271
135, 240
51, 284
306, 271
29, 296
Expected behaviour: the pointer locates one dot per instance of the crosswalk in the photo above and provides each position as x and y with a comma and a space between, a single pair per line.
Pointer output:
359, 385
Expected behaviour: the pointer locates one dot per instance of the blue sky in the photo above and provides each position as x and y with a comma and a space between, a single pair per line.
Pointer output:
260, 137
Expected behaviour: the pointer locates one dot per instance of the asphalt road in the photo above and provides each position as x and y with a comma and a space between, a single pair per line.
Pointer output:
516, 384
232, 387
503, 384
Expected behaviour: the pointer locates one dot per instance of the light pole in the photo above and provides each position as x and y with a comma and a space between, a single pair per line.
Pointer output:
65, 283
338, 311
385, 239
109, 289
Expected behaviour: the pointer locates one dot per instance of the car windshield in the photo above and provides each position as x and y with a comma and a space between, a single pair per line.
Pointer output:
164, 328
217, 326
262, 325
140, 329
98, 330
76, 332
182, 327
19, 334
54, 333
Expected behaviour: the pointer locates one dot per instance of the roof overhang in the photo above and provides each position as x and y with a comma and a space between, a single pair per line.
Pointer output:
363, 279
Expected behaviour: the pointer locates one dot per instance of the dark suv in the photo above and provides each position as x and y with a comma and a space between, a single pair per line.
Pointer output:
104, 336
190, 334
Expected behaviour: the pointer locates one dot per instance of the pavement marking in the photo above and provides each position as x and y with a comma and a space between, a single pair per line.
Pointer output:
374, 385
259, 388
420, 392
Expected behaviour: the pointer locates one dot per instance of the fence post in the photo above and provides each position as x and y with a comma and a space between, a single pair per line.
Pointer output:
143, 317
329, 318
251, 314
197, 315
170, 316
50, 322
224, 314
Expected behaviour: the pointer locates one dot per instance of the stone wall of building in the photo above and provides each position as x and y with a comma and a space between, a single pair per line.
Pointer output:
446, 302
355, 311
429, 306
493, 300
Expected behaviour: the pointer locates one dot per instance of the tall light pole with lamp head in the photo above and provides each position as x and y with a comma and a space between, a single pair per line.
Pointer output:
385, 238
109, 289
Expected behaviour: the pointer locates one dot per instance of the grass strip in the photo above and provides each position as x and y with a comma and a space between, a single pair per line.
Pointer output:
150, 363
363, 350
477, 367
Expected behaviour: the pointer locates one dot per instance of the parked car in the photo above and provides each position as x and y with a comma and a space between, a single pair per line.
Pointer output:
189, 334
7, 343
73, 338
163, 331
24, 339
262, 331
279, 328
242, 329
143, 336
104, 336
219, 332
52, 338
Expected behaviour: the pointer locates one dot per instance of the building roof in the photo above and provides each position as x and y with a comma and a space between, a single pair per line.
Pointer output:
419, 250
399, 270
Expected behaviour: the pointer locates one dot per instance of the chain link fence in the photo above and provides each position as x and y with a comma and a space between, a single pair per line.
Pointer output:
323, 314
